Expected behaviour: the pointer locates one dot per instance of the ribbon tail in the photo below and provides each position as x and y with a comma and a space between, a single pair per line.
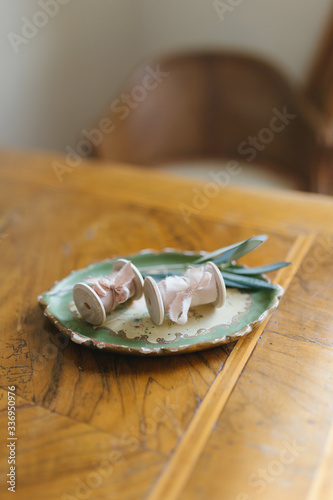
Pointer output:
179, 308
124, 275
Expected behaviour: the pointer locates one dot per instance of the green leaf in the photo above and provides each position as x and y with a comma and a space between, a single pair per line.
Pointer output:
232, 284
210, 256
180, 268
161, 276
260, 269
247, 281
242, 249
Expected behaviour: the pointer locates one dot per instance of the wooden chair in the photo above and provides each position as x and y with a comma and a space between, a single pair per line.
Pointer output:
319, 92
212, 105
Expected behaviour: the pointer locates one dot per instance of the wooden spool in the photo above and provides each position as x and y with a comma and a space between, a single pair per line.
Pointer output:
154, 300
90, 305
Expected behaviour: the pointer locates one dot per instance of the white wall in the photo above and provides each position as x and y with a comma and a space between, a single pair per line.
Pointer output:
286, 31
64, 76
67, 72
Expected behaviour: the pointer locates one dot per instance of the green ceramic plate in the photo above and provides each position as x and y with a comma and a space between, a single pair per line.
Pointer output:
129, 329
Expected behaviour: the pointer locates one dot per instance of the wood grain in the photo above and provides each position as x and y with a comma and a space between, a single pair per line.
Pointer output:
322, 485
135, 416
281, 402
185, 457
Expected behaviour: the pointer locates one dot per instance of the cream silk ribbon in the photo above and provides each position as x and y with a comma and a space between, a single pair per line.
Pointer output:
178, 292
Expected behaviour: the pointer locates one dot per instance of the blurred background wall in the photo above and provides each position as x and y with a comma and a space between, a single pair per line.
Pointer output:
62, 61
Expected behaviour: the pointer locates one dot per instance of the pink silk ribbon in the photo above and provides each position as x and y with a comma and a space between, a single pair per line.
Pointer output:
197, 279
118, 284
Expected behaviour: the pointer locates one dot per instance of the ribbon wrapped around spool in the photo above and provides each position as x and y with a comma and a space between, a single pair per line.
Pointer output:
175, 295
97, 296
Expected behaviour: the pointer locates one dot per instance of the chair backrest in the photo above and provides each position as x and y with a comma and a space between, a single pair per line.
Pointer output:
211, 105
319, 93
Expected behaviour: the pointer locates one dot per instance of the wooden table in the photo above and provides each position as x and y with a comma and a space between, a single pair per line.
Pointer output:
243, 421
